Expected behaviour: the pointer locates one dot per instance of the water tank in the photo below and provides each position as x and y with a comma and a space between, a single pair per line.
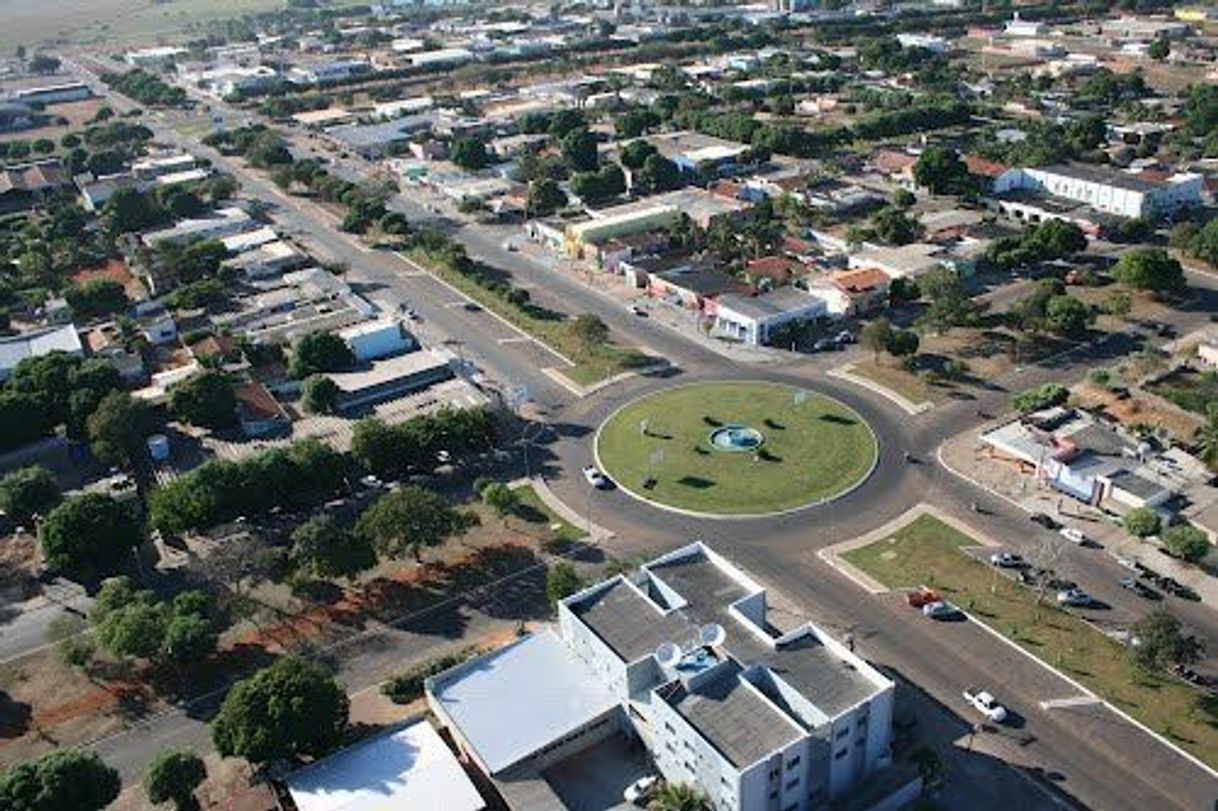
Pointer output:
158, 447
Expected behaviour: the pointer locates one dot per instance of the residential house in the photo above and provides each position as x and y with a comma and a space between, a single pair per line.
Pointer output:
258, 412
22, 186
865, 290
35, 344
755, 319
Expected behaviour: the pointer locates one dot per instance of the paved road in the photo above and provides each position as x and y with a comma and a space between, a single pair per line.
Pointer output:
1083, 749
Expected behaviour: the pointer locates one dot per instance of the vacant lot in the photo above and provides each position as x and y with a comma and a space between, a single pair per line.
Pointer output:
1190, 389
811, 449
929, 552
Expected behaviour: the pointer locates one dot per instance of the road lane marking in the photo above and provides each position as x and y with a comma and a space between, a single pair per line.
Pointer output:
1072, 701
519, 339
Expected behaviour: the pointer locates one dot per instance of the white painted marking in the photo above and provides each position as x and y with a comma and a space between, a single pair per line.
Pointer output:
1072, 701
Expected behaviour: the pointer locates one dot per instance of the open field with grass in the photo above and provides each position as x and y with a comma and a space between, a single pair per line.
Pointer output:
929, 552
810, 451
541, 519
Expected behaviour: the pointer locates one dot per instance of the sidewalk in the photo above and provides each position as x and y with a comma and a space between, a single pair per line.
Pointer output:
596, 534
964, 456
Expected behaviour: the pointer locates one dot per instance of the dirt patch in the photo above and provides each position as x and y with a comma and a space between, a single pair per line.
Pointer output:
1140, 408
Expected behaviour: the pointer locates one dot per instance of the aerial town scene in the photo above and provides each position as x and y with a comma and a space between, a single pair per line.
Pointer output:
686, 405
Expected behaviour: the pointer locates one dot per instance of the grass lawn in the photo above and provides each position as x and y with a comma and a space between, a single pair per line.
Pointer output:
534, 511
894, 378
592, 364
1190, 389
928, 552
811, 451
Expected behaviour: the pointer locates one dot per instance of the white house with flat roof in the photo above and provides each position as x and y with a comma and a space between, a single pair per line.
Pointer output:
1109, 190
682, 656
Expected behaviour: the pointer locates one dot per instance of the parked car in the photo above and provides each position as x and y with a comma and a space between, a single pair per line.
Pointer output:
637, 310
940, 610
1008, 560
986, 704
1073, 535
844, 337
1139, 588
1075, 597
641, 790
824, 345
922, 597
595, 478
472, 307
1045, 520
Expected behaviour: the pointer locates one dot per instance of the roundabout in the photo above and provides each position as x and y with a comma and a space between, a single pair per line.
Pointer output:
736, 449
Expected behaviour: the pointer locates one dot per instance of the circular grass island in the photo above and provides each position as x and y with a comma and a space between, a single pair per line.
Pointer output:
736, 448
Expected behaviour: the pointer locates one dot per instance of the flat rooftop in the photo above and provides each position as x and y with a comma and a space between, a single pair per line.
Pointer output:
734, 718
627, 622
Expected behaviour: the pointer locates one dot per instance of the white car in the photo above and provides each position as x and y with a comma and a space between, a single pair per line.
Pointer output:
1073, 535
640, 791
1074, 597
985, 703
940, 610
595, 477
1006, 560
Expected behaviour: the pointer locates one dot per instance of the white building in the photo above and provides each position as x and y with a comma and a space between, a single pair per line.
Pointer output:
682, 656
373, 340
222, 223
1018, 27
160, 55
37, 343
1107, 190
325, 72
753, 319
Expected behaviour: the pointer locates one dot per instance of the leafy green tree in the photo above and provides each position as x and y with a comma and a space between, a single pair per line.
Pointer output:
1068, 316
320, 352
545, 197
205, 399
1042, 397
324, 548
562, 581
941, 170
1186, 541
578, 149
635, 153
118, 428
96, 298
658, 173
589, 330
129, 209
500, 498
1159, 49
893, 226
1164, 643
564, 121
28, 491
88, 536
23, 419
173, 777
949, 302
1142, 522
876, 335
268, 149
188, 637
903, 343
319, 394
469, 153
678, 797
1150, 269
1207, 438
292, 708
636, 122
412, 519
61, 780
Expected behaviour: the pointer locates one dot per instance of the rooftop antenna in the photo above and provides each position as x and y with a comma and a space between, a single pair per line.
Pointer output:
668, 655
712, 635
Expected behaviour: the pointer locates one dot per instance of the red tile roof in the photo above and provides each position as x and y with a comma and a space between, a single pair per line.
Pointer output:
859, 280
981, 167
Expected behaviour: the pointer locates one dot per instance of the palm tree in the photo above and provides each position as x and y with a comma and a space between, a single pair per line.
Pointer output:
678, 797
1207, 439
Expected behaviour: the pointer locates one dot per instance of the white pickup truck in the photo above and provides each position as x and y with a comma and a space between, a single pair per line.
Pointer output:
986, 704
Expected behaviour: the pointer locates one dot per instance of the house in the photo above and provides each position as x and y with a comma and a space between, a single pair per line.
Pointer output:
772, 272
692, 286
155, 323
895, 165
865, 289
1107, 190
153, 57
23, 185
106, 342
684, 658
755, 319
618, 221
153, 167
258, 412
297, 303
390, 378
35, 344
95, 191
268, 259
221, 223
406, 766
910, 261
381, 338
1207, 349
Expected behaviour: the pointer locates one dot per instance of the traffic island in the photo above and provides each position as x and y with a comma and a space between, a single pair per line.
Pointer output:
736, 449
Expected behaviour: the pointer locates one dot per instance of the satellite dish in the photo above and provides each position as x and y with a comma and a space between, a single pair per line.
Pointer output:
712, 635
668, 654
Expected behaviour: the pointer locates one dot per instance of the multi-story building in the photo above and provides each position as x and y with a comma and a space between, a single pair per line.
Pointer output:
1108, 190
683, 656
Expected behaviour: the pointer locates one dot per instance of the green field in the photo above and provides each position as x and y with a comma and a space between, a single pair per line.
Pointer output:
812, 450
927, 552
532, 509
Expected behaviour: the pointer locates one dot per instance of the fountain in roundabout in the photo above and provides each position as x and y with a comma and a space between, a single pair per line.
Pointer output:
738, 438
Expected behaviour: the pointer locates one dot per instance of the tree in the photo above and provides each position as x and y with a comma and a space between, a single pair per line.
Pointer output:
173, 777
268, 149
319, 394
1068, 316
323, 548
63, 779
1150, 269
499, 497
876, 335
320, 352
950, 304
678, 797
96, 297
903, 343
291, 709
893, 226
205, 399
129, 209
635, 153
578, 148
941, 170
1207, 439
658, 173
1163, 642
27, 492
1042, 397
43, 63
1142, 522
87, 536
1159, 49
469, 153
1117, 303
589, 330
118, 427
1186, 541
411, 519
562, 581
545, 197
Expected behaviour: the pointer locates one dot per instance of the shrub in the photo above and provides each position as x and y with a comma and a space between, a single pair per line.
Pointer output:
1142, 522
408, 685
